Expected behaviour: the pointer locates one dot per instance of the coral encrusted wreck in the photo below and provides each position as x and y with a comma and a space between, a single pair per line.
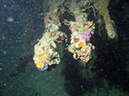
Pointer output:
81, 29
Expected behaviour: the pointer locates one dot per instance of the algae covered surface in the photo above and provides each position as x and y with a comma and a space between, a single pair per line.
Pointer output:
92, 46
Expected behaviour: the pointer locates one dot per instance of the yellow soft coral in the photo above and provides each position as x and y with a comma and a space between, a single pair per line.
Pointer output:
39, 65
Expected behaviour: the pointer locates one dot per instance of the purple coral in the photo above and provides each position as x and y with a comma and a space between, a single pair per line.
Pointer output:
87, 35
43, 68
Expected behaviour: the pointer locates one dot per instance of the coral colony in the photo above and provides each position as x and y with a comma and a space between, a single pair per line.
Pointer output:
87, 35
81, 29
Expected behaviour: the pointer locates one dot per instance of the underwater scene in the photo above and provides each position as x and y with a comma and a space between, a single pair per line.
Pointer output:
64, 48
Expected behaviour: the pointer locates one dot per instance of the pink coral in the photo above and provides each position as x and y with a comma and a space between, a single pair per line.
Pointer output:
87, 35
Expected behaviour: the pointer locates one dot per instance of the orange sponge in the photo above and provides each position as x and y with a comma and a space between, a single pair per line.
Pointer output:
81, 44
